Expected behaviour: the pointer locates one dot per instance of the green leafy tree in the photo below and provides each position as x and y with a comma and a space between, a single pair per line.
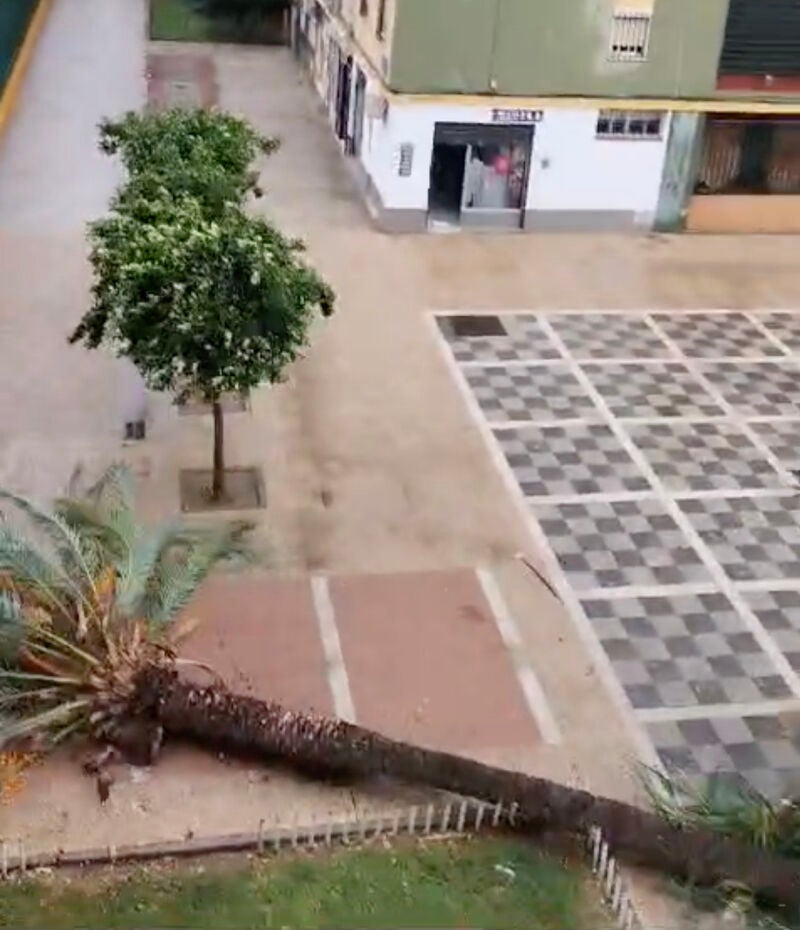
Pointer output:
175, 153
201, 306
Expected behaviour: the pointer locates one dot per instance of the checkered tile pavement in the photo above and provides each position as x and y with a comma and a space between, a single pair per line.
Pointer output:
697, 456
716, 335
614, 544
752, 538
639, 443
529, 392
521, 338
782, 438
755, 389
783, 326
683, 650
760, 750
607, 335
582, 458
657, 389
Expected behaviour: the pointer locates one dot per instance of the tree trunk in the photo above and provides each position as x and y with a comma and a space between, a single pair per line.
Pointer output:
218, 475
216, 717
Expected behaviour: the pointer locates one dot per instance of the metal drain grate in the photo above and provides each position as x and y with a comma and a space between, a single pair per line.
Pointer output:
477, 326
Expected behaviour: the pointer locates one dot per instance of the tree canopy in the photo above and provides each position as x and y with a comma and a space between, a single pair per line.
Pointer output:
175, 153
201, 306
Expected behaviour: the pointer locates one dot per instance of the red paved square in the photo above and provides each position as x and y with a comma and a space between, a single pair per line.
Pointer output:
260, 633
426, 662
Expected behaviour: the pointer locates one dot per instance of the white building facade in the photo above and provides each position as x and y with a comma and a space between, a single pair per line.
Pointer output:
484, 162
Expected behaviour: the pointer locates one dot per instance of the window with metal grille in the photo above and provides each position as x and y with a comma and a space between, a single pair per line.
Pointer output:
630, 36
762, 37
636, 124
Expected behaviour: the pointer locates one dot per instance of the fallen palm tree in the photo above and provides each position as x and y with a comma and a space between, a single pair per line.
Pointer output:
91, 610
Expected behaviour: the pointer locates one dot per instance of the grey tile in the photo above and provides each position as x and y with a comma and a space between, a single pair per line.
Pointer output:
607, 335
755, 538
716, 335
656, 389
654, 646
529, 393
703, 456
582, 458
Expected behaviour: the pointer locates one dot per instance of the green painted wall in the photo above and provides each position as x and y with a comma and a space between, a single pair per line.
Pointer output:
552, 47
14, 18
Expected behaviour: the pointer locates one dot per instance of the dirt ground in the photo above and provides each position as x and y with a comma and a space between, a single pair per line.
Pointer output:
370, 461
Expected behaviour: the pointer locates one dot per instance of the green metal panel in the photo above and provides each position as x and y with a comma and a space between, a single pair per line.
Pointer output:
680, 170
14, 18
553, 47
442, 46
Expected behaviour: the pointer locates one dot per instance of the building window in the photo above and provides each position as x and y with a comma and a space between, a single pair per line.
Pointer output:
630, 37
750, 156
620, 124
363, 7
380, 26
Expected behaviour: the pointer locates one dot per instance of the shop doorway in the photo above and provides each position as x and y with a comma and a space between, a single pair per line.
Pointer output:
447, 182
480, 174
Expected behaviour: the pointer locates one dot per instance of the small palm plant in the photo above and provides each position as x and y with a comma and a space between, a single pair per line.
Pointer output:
727, 807
88, 598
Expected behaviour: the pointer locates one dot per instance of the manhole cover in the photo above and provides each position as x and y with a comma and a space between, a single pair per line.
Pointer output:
477, 326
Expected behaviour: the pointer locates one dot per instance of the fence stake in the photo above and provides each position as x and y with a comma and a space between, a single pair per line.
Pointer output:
328, 833
346, 834
610, 875
396, 823
462, 816
4, 859
601, 868
260, 840
445, 818
498, 810
594, 839
276, 840
616, 893
479, 815
22, 857
429, 818
412, 820
512, 813
112, 853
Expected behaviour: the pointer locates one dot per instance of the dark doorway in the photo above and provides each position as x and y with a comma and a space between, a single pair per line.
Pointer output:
447, 180
343, 97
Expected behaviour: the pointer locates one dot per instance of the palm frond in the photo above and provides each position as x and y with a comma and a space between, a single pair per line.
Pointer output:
23, 565
65, 540
42, 722
104, 536
726, 806
180, 578
139, 576
12, 627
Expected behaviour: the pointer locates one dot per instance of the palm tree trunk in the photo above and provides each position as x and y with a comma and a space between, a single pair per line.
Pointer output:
216, 717
218, 473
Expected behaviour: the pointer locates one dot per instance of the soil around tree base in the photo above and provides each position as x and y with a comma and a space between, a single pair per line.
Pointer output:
244, 490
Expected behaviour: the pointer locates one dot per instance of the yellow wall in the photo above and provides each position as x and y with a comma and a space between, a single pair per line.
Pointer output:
10, 94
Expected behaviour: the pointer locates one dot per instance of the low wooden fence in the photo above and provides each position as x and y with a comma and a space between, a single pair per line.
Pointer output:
454, 818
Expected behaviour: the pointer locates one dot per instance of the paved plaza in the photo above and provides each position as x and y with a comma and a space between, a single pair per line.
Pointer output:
652, 455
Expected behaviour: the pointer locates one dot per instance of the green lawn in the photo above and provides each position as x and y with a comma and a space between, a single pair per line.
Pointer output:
184, 21
434, 884
178, 21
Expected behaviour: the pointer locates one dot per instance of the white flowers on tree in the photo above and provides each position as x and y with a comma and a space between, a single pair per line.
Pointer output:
203, 298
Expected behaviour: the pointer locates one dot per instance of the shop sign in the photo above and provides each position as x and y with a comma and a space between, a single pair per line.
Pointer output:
516, 116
